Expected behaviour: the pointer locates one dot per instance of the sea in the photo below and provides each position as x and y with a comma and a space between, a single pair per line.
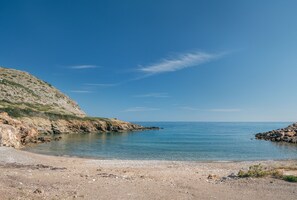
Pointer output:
176, 141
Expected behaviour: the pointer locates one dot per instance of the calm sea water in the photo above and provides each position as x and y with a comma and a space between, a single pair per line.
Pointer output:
191, 141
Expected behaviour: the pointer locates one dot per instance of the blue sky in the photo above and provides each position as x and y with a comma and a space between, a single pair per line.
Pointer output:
165, 60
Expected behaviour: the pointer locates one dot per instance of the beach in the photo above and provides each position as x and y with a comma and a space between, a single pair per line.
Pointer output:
148, 100
25, 175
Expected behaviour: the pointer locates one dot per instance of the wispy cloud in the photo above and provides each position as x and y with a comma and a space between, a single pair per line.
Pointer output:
140, 109
153, 95
84, 67
81, 91
179, 62
212, 110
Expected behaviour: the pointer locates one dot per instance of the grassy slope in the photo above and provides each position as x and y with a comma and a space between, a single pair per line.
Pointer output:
19, 110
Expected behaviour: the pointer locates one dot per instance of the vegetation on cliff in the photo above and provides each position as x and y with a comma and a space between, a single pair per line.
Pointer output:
30, 107
21, 91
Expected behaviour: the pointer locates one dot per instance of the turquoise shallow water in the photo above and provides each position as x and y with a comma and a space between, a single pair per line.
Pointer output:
190, 141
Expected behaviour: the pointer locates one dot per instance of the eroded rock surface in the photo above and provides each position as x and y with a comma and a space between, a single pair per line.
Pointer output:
14, 133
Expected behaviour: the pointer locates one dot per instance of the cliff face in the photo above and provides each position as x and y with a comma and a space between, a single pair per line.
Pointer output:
14, 133
20, 90
30, 107
25, 130
79, 125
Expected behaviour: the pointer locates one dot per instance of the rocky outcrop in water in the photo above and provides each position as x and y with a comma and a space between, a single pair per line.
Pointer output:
80, 125
22, 131
288, 134
30, 107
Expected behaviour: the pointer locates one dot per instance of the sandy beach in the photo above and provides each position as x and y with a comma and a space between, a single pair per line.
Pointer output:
25, 175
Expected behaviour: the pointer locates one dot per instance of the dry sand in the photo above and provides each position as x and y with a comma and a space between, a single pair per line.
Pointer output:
25, 175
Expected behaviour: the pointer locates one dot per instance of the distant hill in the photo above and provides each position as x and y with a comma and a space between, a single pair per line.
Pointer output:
22, 91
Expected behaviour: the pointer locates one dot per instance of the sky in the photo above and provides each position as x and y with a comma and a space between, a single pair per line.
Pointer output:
160, 60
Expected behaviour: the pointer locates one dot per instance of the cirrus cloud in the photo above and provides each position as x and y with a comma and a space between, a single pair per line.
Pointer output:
178, 63
84, 67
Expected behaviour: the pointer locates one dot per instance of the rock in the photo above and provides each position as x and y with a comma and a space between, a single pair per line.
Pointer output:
294, 139
38, 191
44, 139
19, 132
57, 138
14, 133
55, 129
93, 125
288, 134
232, 175
153, 128
212, 177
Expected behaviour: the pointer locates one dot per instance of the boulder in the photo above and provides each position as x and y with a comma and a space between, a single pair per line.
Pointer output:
14, 133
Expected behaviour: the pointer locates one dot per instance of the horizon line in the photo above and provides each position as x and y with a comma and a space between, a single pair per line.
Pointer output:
218, 121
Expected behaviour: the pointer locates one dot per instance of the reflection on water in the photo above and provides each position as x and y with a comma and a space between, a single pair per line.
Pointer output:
286, 146
177, 141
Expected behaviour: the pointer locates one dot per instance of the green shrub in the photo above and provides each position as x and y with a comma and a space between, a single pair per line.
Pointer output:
290, 178
17, 112
259, 171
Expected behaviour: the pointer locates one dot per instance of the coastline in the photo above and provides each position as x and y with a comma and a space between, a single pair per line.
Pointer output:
156, 160
27, 175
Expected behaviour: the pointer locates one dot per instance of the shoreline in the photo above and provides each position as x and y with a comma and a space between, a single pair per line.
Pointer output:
155, 160
27, 175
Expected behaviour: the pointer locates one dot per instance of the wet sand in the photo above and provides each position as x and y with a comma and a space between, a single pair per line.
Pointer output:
24, 175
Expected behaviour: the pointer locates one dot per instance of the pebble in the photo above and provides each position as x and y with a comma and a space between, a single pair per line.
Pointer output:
38, 191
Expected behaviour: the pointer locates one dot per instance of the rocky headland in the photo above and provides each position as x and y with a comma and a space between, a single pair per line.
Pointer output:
288, 134
31, 108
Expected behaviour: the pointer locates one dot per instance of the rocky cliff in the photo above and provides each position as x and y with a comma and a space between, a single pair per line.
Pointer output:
25, 130
14, 133
288, 134
30, 107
